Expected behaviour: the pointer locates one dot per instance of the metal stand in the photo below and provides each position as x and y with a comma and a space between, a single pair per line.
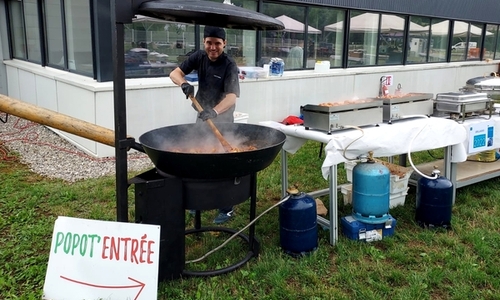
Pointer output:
162, 201
254, 246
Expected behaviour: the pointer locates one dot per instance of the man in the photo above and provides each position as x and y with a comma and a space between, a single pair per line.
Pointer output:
295, 56
218, 85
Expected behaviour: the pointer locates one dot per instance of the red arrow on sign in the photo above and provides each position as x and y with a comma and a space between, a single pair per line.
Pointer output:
139, 284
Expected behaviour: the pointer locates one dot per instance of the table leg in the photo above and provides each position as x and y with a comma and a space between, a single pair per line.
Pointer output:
332, 224
284, 173
450, 170
333, 205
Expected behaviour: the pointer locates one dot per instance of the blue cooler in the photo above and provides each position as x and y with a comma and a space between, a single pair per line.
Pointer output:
192, 77
357, 230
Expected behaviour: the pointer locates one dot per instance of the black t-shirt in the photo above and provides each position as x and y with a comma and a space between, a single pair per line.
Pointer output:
215, 79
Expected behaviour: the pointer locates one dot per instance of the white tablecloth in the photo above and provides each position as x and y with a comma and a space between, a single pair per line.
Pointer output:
384, 140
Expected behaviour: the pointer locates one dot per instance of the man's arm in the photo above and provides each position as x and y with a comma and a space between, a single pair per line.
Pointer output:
177, 76
226, 103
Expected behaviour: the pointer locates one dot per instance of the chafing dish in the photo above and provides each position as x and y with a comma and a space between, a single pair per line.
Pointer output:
464, 104
485, 84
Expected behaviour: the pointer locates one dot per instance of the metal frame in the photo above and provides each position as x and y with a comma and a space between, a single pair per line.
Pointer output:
122, 12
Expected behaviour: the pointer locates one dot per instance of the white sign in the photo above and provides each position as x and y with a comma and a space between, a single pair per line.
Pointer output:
92, 259
481, 136
389, 80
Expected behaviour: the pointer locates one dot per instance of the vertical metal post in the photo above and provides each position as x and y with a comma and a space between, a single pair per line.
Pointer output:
120, 115
284, 173
334, 213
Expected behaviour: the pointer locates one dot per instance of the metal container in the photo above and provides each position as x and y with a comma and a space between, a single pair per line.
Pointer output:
336, 117
371, 192
298, 227
485, 84
464, 104
434, 201
407, 106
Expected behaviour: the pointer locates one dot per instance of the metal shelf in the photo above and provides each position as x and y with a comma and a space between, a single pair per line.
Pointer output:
467, 172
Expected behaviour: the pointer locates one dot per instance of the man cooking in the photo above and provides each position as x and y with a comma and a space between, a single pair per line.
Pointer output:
218, 85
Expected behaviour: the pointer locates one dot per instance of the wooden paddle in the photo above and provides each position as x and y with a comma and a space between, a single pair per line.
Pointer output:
222, 140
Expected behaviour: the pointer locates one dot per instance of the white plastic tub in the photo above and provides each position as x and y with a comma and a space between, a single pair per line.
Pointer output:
398, 184
240, 117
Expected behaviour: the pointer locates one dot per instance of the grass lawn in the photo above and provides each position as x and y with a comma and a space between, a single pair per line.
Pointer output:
414, 263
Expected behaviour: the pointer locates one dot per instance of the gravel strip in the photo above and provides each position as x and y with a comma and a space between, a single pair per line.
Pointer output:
47, 154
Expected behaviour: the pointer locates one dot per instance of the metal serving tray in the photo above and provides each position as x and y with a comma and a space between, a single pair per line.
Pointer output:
345, 107
407, 106
330, 118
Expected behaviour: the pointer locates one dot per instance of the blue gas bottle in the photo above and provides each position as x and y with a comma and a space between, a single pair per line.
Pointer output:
298, 227
371, 192
434, 201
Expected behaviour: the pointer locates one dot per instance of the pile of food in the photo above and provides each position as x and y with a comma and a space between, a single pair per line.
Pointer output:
347, 102
398, 95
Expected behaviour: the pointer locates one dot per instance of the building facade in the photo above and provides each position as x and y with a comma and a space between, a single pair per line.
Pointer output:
57, 54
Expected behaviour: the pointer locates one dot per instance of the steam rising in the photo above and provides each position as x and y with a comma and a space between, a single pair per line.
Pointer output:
199, 138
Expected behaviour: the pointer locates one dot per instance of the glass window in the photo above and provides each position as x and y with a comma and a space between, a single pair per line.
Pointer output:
459, 45
32, 31
490, 41
17, 30
241, 44
330, 41
439, 40
78, 36
54, 33
363, 36
288, 44
475, 41
497, 49
156, 47
418, 40
391, 40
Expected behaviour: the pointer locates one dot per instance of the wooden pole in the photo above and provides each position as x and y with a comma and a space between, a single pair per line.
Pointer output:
57, 120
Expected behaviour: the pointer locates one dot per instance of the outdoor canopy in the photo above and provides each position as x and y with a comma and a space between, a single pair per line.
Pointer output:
369, 22
294, 26
460, 29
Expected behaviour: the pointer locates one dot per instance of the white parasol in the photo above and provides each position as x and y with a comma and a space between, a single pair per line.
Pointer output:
368, 22
294, 26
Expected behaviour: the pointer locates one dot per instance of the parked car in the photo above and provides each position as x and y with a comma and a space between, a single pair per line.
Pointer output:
462, 45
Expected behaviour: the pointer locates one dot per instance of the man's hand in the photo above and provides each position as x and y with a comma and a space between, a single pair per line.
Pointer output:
207, 114
187, 89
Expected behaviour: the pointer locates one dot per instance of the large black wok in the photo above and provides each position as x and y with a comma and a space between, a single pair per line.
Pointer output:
162, 146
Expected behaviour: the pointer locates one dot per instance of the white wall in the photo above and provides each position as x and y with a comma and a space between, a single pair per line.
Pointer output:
157, 102
4, 51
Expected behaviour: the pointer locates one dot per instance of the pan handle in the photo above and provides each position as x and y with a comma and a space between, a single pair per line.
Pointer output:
216, 131
135, 145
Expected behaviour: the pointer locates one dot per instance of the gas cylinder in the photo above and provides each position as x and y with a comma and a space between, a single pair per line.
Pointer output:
434, 201
371, 192
298, 227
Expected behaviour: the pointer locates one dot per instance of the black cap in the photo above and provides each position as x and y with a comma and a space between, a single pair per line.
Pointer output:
216, 32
